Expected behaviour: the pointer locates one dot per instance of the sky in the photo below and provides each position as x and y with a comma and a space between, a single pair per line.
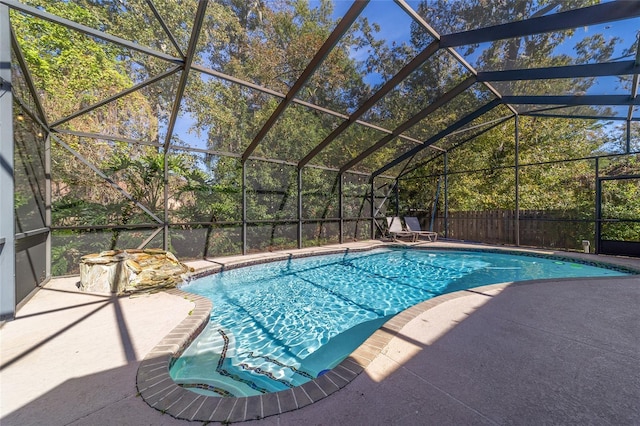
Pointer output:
395, 27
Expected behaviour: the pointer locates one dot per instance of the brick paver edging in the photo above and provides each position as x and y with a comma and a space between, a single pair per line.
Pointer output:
158, 389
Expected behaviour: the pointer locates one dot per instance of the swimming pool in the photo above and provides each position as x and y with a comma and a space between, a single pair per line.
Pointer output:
281, 324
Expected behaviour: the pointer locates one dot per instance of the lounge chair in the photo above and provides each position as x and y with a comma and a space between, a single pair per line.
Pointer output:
395, 229
413, 225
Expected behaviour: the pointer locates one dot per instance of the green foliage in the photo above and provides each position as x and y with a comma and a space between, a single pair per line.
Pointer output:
482, 176
621, 198
70, 69
270, 44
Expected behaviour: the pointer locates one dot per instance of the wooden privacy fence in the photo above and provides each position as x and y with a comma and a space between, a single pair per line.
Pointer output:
493, 226
539, 228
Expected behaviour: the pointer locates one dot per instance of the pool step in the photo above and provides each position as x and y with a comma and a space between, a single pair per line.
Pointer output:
246, 368
218, 341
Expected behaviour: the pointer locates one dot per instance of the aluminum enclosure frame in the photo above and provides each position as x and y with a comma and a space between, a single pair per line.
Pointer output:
184, 63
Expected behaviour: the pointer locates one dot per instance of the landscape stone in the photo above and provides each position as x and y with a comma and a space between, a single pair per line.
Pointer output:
130, 271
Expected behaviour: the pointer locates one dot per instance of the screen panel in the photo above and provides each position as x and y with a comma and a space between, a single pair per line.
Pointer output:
320, 233
272, 191
271, 237
320, 194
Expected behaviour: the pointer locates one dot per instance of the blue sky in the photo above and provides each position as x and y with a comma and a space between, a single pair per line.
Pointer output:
395, 27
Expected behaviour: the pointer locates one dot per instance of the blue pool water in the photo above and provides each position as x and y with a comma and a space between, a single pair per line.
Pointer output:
281, 324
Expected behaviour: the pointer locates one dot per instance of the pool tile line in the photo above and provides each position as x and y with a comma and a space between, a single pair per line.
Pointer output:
153, 372
241, 263
569, 257
157, 388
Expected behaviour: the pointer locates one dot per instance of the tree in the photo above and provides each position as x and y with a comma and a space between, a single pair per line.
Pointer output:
481, 170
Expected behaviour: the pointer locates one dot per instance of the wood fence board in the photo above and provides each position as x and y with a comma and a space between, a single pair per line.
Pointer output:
537, 228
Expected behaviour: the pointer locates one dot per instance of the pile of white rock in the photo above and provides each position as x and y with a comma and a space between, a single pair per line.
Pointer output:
129, 271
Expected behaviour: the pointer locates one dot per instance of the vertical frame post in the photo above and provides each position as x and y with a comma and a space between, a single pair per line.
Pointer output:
628, 144
397, 197
446, 194
373, 209
300, 208
47, 202
517, 178
341, 207
244, 207
7, 219
598, 208
165, 239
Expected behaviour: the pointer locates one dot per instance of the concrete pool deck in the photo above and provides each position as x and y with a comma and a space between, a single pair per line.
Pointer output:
549, 352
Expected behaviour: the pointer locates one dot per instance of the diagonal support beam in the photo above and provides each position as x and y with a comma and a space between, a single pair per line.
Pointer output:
182, 84
106, 178
150, 238
490, 125
584, 17
461, 60
104, 137
343, 26
295, 100
87, 30
455, 126
165, 27
442, 100
117, 96
33, 115
28, 78
386, 88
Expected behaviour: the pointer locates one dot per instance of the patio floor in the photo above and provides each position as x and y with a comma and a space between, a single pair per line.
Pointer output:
549, 352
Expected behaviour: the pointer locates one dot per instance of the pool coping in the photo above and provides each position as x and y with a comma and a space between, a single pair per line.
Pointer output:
159, 391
